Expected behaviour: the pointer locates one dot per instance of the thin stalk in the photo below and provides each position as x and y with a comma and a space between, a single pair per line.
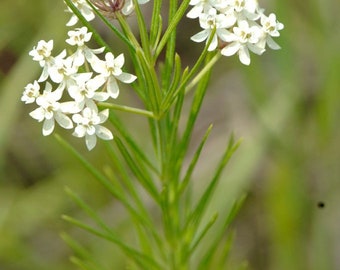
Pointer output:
170, 48
126, 109
156, 23
174, 22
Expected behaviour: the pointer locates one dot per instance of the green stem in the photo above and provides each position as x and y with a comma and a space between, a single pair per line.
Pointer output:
126, 109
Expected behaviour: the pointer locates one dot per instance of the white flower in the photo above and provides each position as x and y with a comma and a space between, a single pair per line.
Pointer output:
209, 22
88, 126
31, 92
42, 54
111, 71
42, 51
128, 7
271, 28
246, 37
79, 37
83, 91
271, 25
51, 110
62, 71
84, 8
199, 7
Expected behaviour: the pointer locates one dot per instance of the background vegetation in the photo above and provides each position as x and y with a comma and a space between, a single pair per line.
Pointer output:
286, 106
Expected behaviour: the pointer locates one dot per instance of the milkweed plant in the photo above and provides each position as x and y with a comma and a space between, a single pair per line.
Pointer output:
78, 90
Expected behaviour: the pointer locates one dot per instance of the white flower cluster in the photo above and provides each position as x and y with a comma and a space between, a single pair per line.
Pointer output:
238, 26
126, 7
74, 101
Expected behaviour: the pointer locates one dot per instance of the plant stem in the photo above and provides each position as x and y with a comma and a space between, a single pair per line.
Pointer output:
126, 109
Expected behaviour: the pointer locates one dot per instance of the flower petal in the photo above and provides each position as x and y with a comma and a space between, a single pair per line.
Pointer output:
38, 114
126, 77
103, 133
231, 49
63, 120
48, 126
200, 36
112, 87
90, 141
243, 54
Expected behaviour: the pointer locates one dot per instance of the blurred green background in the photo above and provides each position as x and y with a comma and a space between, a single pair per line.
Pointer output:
286, 106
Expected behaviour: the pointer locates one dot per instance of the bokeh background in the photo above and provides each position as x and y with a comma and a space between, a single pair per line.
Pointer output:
285, 106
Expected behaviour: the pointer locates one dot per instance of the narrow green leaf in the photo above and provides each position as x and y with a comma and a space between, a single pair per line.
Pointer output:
141, 259
170, 48
173, 138
142, 31
156, 23
151, 82
127, 31
192, 165
198, 211
104, 181
141, 174
86, 259
203, 233
154, 41
150, 231
204, 263
195, 108
187, 75
138, 152
90, 212
176, 75
173, 24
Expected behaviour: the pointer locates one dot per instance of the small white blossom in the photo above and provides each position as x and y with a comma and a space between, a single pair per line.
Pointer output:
271, 28
31, 92
42, 54
240, 26
84, 91
111, 71
246, 37
42, 51
62, 71
199, 7
51, 110
88, 126
79, 37
211, 21
129, 7
84, 8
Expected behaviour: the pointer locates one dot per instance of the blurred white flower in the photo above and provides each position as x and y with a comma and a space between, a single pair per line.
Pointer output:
240, 26
88, 126
31, 92
271, 28
84, 8
51, 110
245, 37
84, 91
111, 71
79, 37
210, 21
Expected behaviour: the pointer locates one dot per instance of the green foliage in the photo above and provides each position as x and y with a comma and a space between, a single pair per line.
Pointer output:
159, 176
